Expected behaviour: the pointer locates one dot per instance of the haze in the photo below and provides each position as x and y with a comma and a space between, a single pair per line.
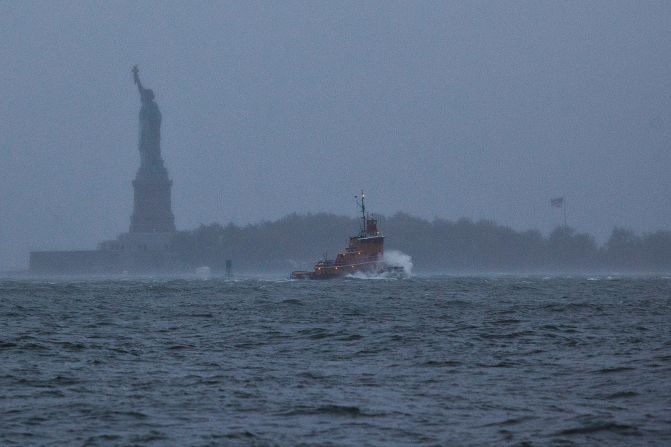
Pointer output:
447, 109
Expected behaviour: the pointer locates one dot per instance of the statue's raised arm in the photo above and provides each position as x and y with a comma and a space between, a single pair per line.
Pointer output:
136, 78
146, 94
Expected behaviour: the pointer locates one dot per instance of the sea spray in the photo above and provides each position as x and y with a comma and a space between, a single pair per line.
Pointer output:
203, 272
393, 262
397, 258
371, 275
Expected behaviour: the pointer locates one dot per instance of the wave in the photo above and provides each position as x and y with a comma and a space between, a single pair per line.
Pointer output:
397, 258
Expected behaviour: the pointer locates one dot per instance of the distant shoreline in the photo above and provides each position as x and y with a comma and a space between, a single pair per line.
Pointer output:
454, 247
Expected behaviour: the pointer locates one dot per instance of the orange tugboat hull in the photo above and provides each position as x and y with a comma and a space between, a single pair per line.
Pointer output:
371, 268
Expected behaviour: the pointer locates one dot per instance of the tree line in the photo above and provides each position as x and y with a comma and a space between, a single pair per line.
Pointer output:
297, 241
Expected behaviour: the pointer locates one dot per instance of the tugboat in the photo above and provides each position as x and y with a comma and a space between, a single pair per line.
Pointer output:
364, 254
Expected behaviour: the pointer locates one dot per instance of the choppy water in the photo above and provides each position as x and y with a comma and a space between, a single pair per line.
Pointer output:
424, 361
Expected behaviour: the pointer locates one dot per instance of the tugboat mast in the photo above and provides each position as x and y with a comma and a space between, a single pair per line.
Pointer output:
363, 213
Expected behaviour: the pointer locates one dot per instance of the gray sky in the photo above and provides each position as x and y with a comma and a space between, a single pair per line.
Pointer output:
448, 109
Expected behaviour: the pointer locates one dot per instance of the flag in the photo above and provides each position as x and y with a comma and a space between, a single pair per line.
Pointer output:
557, 202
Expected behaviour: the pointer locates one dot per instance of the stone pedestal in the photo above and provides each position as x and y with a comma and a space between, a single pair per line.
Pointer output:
152, 211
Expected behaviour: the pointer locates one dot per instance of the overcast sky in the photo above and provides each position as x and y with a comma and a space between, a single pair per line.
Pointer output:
439, 109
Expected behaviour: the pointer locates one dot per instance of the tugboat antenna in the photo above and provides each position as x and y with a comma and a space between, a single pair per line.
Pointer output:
363, 212
362, 205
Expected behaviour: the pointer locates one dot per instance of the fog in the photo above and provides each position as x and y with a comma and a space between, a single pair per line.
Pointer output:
438, 109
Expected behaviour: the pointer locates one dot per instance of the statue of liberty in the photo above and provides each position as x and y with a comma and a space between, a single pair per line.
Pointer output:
152, 208
150, 127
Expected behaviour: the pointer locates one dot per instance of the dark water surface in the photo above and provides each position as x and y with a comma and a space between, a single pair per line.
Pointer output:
423, 361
